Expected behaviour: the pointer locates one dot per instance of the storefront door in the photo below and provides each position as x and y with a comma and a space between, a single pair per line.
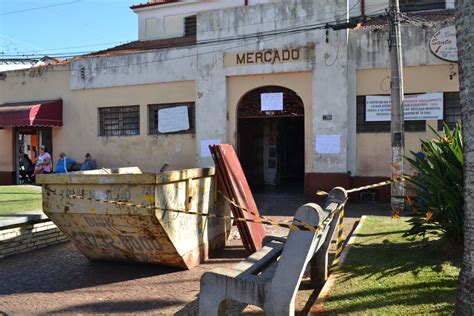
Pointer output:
28, 141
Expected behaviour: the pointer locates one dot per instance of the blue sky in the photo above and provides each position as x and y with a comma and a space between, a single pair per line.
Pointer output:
38, 27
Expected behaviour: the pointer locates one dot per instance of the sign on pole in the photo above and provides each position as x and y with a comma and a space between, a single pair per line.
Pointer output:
443, 44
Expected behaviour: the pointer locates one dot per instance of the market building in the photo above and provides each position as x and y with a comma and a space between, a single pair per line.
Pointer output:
297, 90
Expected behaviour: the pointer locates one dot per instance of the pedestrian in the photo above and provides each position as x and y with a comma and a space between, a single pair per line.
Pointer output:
88, 164
43, 162
64, 164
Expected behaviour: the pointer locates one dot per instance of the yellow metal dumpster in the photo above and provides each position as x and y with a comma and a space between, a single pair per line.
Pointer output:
123, 214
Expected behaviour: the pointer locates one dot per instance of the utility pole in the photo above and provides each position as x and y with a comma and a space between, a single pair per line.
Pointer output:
396, 96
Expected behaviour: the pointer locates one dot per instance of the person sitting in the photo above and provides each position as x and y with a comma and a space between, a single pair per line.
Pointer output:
26, 169
88, 164
64, 164
43, 163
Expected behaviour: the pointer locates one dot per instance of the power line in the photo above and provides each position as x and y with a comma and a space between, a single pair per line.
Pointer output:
62, 48
228, 39
70, 54
322, 25
42, 7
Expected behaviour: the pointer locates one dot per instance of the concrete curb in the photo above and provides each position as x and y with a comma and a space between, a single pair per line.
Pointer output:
8, 221
326, 291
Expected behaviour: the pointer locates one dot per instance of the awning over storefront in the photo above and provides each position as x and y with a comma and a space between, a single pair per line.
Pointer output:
33, 114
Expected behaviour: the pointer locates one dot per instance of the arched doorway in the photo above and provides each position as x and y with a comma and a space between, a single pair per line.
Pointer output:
271, 143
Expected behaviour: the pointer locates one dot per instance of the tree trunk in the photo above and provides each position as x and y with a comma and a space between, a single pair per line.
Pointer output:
465, 42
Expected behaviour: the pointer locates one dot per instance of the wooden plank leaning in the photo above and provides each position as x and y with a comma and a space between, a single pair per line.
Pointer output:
270, 277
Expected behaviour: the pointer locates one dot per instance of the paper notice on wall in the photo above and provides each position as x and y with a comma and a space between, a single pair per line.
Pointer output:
427, 106
271, 101
173, 119
328, 144
205, 152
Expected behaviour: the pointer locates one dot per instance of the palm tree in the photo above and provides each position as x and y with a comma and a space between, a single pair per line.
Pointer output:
465, 43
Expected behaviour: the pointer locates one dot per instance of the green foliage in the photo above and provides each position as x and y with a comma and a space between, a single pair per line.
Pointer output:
18, 198
437, 186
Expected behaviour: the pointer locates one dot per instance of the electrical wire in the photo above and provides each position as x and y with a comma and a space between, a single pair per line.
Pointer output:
221, 40
321, 25
71, 54
39, 8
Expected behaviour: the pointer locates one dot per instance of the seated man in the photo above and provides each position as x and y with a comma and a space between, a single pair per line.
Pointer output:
64, 164
88, 164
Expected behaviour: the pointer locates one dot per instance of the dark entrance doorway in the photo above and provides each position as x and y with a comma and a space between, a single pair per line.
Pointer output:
27, 141
271, 143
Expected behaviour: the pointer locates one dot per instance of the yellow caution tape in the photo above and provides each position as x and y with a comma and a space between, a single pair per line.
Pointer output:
265, 221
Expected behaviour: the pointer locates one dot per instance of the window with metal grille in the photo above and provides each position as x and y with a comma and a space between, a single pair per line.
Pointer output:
154, 118
190, 25
383, 126
119, 121
421, 5
452, 110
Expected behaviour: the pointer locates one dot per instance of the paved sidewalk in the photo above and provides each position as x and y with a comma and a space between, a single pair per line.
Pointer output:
21, 217
60, 280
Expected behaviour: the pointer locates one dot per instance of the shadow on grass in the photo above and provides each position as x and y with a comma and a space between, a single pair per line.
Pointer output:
403, 273
21, 200
390, 259
429, 293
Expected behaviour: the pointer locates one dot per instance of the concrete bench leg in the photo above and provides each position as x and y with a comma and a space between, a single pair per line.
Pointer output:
212, 294
216, 287
211, 304
319, 263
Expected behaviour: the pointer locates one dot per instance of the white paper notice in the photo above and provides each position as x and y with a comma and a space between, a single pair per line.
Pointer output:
173, 119
328, 144
205, 152
271, 101
427, 106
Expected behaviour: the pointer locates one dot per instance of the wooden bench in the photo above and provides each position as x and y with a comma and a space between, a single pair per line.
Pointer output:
270, 278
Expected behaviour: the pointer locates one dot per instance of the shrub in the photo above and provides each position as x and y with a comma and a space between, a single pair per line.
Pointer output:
437, 185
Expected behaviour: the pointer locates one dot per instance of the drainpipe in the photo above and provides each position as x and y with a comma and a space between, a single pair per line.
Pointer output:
362, 7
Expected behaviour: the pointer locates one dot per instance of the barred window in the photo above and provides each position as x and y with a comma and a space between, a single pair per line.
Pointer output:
176, 118
119, 121
190, 25
452, 110
382, 126
421, 5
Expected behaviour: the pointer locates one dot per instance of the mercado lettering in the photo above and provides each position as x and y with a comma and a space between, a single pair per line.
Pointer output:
269, 56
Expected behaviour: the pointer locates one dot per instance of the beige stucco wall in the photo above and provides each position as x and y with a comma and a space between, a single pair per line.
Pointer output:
300, 82
80, 120
374, 149
6, 155
415, 79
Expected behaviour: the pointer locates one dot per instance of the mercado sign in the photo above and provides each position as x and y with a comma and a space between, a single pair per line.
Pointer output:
268, 56
428, 106
443, 44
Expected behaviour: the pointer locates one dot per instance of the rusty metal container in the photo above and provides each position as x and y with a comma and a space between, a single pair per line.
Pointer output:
147, 230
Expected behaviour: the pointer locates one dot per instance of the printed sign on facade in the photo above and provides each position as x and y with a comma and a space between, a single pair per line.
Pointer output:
271, 101
443, 44
205, 152
428, 106
173, 119
328, 144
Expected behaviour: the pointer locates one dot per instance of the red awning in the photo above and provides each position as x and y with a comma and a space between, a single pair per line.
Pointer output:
35, 114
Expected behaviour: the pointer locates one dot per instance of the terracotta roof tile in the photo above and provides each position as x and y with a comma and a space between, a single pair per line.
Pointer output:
152, 3
139, 46
419, 18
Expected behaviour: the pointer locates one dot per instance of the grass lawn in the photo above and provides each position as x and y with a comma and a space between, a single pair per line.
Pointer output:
385, 273
18, 199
